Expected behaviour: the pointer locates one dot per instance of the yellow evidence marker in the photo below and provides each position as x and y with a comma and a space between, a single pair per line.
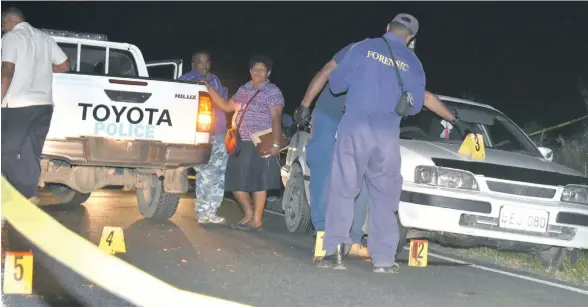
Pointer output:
18, 273
319, 252
417, 254
112, 240
473, 146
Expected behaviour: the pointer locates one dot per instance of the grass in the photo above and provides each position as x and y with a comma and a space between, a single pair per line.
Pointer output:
576, 273
574, 154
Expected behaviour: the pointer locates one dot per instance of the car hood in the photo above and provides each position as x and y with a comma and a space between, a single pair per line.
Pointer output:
444, 154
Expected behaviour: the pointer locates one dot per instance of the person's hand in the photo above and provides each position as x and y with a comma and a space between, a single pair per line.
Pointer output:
274, 151
302, 115
463, 127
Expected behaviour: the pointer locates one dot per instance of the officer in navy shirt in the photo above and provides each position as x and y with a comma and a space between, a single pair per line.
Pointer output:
367, 141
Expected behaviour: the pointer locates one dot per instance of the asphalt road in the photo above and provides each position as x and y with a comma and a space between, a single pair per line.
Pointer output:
270, 268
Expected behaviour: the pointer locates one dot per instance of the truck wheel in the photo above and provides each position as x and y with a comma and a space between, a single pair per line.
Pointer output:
295, 202
155, 204
554, 257
402, 234
67, 196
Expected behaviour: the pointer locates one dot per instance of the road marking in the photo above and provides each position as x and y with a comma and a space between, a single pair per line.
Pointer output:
528, 278
483, 268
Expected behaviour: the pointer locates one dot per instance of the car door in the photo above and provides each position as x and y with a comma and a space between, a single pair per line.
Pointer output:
165, 69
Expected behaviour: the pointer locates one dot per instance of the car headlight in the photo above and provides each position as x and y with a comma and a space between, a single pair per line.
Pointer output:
575, 194
444, 177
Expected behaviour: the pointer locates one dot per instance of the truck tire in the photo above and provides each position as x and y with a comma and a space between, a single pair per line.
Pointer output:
67, 196
295, 202
155, 204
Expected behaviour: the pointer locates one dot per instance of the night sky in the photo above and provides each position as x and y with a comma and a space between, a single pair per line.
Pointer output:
524, 58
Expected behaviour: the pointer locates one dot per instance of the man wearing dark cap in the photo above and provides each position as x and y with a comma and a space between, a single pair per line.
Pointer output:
326, 116
367, 140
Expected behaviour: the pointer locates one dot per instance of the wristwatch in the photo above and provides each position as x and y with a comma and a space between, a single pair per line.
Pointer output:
455, 117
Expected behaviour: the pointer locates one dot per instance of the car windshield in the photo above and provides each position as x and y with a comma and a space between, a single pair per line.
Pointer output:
499, 132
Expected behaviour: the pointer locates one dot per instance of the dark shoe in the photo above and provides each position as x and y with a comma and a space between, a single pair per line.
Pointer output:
334, 261
393, 269
246, 227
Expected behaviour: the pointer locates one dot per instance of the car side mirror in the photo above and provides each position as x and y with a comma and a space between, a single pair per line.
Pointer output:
547, 153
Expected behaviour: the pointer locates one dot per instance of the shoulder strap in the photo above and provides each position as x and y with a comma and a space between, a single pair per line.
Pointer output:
394, 64
245, 109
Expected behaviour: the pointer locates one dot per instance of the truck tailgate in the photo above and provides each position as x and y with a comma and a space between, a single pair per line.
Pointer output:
125, 108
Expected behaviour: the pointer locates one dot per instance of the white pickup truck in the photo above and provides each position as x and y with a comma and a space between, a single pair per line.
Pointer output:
114, 126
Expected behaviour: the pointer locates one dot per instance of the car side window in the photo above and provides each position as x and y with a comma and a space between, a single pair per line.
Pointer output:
71, 50
120, 62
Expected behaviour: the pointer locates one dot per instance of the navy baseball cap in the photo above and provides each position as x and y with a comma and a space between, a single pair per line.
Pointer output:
407, 20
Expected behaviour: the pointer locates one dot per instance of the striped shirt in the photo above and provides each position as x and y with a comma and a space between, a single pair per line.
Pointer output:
257, 116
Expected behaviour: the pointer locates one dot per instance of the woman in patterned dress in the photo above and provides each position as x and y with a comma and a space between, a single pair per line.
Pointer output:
249, 176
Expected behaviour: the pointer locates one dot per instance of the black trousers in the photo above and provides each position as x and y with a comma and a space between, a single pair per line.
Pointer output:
23, 135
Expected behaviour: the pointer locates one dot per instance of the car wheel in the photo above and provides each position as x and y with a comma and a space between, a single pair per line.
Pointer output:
67, 196
156, 204
554, 257
402, 234
295, 202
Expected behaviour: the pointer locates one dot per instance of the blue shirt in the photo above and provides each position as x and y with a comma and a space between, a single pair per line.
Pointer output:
220, 123
367, 74
287, 120
328, 103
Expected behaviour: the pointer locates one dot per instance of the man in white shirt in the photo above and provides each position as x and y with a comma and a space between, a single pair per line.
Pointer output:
29, 59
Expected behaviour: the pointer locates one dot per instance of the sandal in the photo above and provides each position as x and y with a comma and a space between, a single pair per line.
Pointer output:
242, 221
246, 227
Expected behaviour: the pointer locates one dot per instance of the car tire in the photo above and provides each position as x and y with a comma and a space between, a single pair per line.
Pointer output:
68, 197
554, 257
156, 204
402, 234
295, 202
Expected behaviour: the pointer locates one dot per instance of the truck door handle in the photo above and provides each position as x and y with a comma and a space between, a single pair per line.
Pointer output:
125, 96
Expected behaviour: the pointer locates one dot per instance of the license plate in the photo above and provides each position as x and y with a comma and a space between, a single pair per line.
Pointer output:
524, 219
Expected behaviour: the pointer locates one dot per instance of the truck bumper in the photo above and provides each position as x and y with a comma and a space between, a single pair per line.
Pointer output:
97, 151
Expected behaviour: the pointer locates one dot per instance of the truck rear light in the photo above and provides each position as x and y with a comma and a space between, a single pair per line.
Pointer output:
204, 118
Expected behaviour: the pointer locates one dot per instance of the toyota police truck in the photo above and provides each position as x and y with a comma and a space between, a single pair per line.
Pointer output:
114, 125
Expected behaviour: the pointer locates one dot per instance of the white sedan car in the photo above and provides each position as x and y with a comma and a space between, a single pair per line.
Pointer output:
516, 198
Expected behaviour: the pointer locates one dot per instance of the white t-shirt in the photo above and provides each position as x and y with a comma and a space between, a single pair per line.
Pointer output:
33, 53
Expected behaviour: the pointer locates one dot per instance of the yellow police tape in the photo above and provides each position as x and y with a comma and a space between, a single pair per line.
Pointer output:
560, 125
86, 259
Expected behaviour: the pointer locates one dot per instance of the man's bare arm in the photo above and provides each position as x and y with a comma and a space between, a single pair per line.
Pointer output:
436, 106
61, 68
227, 105
317, 83
7, 75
